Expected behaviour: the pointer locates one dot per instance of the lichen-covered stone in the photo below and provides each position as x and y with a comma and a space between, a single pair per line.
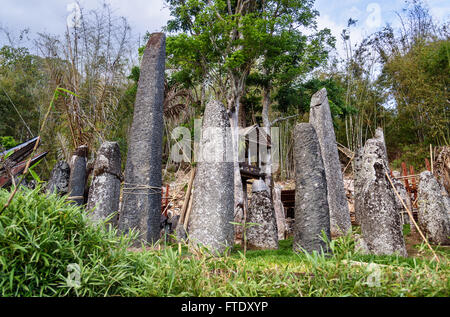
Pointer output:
264, 235
434, 204
78, 175
381, 226
141, 205
320, 118
104, 193
312, 216
213, 190
358, 184
59, 179
279, 212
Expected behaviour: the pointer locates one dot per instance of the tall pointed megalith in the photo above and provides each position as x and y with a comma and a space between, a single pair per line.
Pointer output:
312, 216
141, 205
213, 192
320, 118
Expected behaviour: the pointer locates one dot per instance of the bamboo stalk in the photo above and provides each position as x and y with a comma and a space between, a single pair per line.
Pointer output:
431, 158
412, 218
187, 197
188, 213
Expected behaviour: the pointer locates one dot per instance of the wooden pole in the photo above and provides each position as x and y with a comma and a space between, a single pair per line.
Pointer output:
427, 164
405, 174
412, 218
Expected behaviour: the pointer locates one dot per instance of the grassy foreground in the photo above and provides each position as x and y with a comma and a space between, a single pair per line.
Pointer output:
48, 248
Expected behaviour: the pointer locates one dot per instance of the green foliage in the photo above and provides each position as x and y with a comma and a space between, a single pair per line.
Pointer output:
40, 236
43, 237
7, 142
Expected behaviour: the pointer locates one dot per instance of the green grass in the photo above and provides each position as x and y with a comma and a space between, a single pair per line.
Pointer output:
40, 236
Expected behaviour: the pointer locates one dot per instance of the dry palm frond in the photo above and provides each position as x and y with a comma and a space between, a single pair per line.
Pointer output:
176, 100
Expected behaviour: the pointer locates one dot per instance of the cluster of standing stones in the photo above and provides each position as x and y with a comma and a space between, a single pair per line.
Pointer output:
321, 209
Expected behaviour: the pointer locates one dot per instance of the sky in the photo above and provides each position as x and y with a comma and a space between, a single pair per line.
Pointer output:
51, 16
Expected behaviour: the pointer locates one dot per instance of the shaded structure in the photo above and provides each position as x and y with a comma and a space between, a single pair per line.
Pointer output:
59, 179
141, 206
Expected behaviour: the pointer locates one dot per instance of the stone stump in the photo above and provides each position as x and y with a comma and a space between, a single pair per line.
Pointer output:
78, 175
320, 118
312, 216
213, 191
434, 204
381, 226
279, 212
264, 235
141, 206
59, 179
104, 193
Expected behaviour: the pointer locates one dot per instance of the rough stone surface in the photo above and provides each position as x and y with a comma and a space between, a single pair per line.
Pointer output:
312, 217
213, 190
358, 184
78, 175
59, 179
141, 206
279, 212
381, 226
442, 167
104, 193
320, 118
433, 203
401, 190
261, 211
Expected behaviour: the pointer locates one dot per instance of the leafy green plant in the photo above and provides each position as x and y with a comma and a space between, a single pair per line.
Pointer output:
42, 236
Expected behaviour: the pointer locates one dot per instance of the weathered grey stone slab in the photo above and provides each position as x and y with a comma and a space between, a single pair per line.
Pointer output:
279, 212
320, 118
141, 207
312, 216
104, 193
213, 191
59, 179
381, 226
358, 184
78, 175
261, 211
433, 203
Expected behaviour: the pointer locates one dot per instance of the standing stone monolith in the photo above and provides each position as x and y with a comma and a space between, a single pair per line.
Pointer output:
434, 203
279, 212
104, 193
312, 216
141, 206
264, 235
320, 118
381, 226
213, 191
78, 175
358, 183
59, 179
